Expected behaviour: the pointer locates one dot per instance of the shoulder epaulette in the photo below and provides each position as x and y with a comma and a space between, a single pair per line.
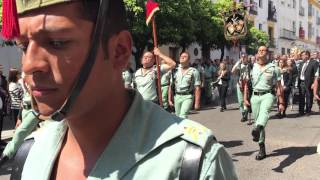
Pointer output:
195, 133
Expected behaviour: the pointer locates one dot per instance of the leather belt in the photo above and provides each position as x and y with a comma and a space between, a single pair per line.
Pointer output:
184, 93
27, 106
257, 93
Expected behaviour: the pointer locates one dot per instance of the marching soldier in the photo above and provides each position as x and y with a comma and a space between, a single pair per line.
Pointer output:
242, 70
187, 87
100, 129
146, 77
209, 75
265, 78
165, 82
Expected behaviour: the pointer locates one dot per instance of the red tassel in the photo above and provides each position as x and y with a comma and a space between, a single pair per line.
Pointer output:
10, 26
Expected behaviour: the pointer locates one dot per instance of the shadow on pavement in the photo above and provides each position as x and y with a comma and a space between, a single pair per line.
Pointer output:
293, 153
232, 109
248, 153
230, 144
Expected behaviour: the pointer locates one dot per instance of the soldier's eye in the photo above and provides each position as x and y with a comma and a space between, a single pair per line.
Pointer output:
58, 44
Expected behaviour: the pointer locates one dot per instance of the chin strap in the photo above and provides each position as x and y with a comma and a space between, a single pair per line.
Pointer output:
86, 68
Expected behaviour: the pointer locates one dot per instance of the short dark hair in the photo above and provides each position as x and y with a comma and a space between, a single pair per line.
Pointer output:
116, 19
306, 52
13, 75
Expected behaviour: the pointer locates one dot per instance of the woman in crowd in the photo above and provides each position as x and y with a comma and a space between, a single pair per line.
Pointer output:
223, 84
286, 81
15, 92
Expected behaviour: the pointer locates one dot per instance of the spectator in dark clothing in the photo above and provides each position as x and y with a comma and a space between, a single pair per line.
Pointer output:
286, 82
223, 84
308, 72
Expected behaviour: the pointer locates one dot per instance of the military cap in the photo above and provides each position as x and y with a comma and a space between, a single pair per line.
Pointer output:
28, 5
11, 9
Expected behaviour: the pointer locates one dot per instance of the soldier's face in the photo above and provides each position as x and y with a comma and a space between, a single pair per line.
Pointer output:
184, 58
262, 52
55, 42
147, 60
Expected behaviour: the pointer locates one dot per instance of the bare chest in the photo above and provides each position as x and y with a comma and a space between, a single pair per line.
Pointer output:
71, 167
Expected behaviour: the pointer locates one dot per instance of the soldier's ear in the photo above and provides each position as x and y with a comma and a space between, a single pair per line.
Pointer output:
120, 49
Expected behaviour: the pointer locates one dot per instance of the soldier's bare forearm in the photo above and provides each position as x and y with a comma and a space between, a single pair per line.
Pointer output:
197, 94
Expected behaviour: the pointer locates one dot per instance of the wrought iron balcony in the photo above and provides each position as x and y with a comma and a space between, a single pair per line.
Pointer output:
272, 12
301, 11
253, 7
287, 34
318, 39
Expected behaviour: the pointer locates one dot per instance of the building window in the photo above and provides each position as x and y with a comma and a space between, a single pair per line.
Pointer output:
293, 3
283, 51
294, 26
260, 26
260, 4
288, 51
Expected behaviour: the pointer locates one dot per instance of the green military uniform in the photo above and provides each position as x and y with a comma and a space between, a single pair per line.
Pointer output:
209, 71
127, 78
146, 83
184, 90
165, 81
28, 124
263, 96
148, 144
243, 75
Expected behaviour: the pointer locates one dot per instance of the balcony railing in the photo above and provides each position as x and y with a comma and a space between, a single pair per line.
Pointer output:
301, 11
253, 8
301, 33
287, 34
318, 39
310, 12
272, 12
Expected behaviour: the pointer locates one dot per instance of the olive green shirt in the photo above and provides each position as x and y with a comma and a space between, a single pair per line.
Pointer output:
265, 79
165, 78
187, 81
149, 144
146, 83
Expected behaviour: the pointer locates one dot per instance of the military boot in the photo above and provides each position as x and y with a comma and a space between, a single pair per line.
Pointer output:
256, 133
242, 119
262, 152
245, 116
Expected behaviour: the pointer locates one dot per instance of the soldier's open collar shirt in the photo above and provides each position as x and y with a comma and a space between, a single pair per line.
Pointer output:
149, 144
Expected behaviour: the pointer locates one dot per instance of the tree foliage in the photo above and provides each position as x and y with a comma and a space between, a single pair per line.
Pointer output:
254, 39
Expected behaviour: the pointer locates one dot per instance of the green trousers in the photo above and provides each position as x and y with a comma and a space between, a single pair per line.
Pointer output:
165, 90
261, 106
28, 124
183, 104
242, 107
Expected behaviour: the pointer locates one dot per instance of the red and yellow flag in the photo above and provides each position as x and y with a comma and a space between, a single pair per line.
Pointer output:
151, 8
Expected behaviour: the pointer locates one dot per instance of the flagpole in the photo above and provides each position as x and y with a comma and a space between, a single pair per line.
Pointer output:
155, 43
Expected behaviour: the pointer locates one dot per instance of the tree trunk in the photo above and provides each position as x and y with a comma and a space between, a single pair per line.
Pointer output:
137, 56
205, 52
222, 53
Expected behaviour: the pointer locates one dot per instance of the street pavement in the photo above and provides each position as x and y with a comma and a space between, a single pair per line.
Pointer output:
290, 143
